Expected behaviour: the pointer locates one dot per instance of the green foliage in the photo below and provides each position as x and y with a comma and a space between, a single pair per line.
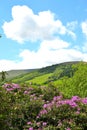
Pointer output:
3, 75
77, 84
25, 77
46, 75
17, 106
40, 80
70, 78
49, 91
25, 107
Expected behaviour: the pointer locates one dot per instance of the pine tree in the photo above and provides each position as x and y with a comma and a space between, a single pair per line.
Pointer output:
3, 75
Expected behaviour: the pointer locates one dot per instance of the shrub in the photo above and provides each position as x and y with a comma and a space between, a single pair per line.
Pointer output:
42, 108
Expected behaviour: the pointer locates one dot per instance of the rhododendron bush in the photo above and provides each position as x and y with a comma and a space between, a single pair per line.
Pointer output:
26, 107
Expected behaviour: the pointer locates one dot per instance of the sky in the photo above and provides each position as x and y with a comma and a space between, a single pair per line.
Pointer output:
39, 33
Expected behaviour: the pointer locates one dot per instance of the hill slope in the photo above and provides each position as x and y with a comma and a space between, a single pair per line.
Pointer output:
47, 74
70, 78
14, 73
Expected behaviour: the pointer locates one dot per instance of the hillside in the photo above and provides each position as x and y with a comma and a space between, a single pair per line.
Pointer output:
53, 94
47, 74
14, 73
57, 95
69, 77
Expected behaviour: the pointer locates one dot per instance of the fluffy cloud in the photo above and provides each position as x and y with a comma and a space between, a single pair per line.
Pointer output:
7, 65
26, 25
46, 54
84, 48
84, 30
84, 27
72, 25
50, 52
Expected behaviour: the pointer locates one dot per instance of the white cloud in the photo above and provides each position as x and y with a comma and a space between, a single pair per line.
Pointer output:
84, 30
72, 34
7, 65
72, 25
84, 27
53, 44
50, 52
84, 48
25, 25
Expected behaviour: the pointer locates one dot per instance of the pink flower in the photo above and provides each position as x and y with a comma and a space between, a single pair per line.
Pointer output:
68, 129
38, 117
29, 123
75, 98
84, 100
26, 92
73, 104
11, 86
15, 85
9, 89
38, 123
45, 105
77, 112
42, 112
59, 123
31, 128
44, 123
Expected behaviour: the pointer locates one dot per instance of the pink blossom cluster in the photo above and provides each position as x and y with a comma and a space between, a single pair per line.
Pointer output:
28, 90
11, 86
39, 125
58, 101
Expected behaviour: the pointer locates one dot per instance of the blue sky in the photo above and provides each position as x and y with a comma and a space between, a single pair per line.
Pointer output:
39, 33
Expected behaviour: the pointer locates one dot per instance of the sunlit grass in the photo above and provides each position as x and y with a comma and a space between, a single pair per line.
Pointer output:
40, 79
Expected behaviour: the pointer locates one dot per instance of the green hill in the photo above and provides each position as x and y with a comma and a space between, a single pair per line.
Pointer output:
46, 74
69, 77
14, 73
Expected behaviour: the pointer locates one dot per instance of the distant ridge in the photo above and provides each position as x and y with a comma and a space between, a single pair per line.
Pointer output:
15, 73
56, 65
